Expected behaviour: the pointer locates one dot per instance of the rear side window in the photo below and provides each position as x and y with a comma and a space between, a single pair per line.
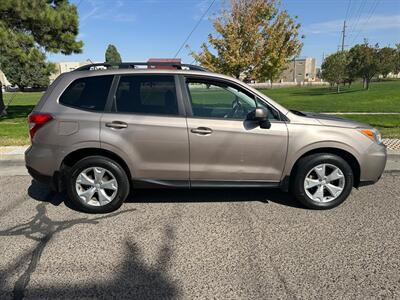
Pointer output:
146, 94
88, 93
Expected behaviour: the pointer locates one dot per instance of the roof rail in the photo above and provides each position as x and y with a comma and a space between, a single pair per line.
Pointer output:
134, 65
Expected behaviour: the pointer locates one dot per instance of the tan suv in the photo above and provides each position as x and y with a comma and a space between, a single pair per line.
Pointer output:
102, 130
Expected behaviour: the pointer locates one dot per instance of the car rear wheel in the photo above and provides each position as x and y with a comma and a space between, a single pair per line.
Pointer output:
322, 181
97, 184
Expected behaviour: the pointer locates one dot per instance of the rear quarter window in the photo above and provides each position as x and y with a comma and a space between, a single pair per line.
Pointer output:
88, 93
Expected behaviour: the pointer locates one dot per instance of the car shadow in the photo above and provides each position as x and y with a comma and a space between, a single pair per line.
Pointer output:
40, 192
212, 195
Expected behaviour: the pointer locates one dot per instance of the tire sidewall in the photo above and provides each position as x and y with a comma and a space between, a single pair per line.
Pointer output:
307, 164
109, 165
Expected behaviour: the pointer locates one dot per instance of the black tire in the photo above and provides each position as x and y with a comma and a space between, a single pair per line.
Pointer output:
111, 166
305, 165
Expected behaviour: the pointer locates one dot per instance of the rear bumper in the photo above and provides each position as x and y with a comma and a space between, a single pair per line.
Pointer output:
45, 179
54, 182
41, 159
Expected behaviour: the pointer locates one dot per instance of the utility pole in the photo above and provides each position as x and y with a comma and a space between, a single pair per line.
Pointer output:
343, 34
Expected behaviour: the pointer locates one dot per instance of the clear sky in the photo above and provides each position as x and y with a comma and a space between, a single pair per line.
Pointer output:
141, 29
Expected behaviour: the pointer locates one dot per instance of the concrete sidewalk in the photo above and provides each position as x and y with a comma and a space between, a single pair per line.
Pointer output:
12, 161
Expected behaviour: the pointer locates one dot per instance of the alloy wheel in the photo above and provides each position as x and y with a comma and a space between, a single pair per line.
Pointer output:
96, 186
324, 183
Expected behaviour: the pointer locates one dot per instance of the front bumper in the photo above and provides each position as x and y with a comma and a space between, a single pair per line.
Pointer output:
373, 164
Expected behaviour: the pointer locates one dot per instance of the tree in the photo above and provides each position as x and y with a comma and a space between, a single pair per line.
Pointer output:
112, 55
254, 39
44, 25
397, 59
334, 69
350, 73
364, 61
386, 57
29, 70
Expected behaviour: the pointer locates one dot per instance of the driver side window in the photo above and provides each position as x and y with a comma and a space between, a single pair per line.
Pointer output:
218, 100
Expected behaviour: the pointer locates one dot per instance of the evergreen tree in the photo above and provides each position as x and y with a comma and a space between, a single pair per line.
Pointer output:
44, 25
112, 55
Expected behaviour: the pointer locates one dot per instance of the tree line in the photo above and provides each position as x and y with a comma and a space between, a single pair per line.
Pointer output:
363, 61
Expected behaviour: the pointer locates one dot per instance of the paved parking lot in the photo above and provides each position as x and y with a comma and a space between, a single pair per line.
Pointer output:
222, 244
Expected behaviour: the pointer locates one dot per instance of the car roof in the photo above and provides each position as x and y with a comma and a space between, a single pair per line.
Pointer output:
68, 77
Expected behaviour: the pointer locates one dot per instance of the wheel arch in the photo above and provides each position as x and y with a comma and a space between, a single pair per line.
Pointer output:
73, 157
346, 155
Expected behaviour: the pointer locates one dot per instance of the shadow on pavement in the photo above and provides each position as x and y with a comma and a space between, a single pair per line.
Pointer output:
133, 280
40, 229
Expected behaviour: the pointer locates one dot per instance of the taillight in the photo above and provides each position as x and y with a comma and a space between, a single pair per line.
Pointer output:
37, 120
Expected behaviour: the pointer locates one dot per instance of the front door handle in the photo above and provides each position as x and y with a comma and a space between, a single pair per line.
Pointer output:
202, 130
117, 125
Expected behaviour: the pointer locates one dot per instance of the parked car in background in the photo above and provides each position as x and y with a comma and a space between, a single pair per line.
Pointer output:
100, 133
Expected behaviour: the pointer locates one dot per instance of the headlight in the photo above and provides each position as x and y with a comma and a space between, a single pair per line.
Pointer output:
373, 134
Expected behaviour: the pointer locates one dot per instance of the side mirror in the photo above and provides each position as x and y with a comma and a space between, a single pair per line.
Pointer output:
260, 115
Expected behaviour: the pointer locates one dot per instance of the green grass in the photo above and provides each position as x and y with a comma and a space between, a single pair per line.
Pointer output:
14, 126
382, 97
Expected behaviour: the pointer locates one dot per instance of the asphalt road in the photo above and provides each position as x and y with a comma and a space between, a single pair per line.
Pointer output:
220, 244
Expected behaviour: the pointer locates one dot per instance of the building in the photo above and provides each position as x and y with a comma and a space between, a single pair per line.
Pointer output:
67, 66
299, 70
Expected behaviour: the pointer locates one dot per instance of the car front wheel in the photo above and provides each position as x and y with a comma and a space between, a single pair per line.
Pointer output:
322, 181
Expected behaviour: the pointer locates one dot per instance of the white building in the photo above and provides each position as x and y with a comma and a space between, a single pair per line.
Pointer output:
299, 70
67, 66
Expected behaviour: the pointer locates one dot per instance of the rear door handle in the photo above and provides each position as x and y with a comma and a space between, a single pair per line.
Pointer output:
117, 125
202, 130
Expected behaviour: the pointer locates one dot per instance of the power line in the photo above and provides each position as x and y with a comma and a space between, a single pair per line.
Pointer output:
371, 13
194, 28
358, 15
347, 10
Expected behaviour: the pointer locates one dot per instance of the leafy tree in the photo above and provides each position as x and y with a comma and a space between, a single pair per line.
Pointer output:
254, 39
334, 69
350, 73
30, 70
364, 61
112, 55
397, 59
387, 57
44, 25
